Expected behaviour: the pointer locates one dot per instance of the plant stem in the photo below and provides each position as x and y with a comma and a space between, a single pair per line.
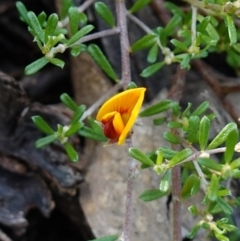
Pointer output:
97, 35
124, 42
176, 187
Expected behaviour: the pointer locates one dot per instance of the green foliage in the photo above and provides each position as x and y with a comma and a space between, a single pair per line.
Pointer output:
106, 238
105, 13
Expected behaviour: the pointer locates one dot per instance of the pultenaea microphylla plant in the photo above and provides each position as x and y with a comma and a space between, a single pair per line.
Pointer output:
188, 35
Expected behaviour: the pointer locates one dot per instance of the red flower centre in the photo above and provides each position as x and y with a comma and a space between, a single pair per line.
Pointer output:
109, 130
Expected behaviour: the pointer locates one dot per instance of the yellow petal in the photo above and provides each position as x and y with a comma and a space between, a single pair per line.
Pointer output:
123, 102
134, 113
118, 123
108, 116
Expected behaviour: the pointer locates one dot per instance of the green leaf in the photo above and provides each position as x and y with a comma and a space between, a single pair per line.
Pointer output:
131, 85
231, 141
179, 45
69, 102
221, 237
185, 61
94, 125
186, 112
35, 66
72, 154
159, 121
92, 134
76, 50
194, 232
36, 26
194, 122
66, 4
45, 141
201, 109
78, 114
157, 108
174, 124
139, 4
51, 26
57, 62
212, 192
22, 11
105, 13
222, 136
73, 19
179, 157
170, 137
106, 238
227, 209
167, 152
138, 155
42, 18
42, 125
204, 129
151, 195
193, 210
210, 164
78, 35
153, 53
235, 164
102, 61
144, 42
82, 18
165, 182
191, 186
232, 32
150, 70
173, 23
74, 128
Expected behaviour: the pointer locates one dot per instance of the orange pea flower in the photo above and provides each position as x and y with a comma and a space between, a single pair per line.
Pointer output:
119, 113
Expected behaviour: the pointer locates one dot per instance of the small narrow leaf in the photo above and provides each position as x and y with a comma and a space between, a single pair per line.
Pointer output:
170, 137
179, 157
66, 4
232, 32
204, 129
57, 62
167, 152
42, 18
73, 19
231, 141
194, 232
145, 42
150, 70
194, 122
222, 136
35, 66
92, 134
138, 155
76, 50
210, 164
159, 121
45, 141
173, 23
74, 128
102, 61
72, 154
22, 11
201, 109
157, 108
105, 13
51, 26
106, 238
69, 102
179, 45
78, 114
227, 209
153, 53
186, 112
42, 125
185, 61
78, 35
212, 192
35, 25
152, 194
139, 4
191, 186
165, 182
